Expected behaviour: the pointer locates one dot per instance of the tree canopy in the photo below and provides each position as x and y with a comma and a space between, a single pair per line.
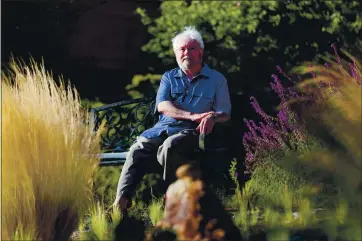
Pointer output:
245, 40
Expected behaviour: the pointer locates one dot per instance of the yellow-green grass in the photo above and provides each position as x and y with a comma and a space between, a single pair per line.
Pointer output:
46, 161
156, 210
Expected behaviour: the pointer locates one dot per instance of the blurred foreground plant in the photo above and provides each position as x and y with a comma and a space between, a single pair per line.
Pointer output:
46, 164
335, 118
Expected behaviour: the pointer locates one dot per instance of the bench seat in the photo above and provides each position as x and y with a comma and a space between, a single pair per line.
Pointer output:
112, 158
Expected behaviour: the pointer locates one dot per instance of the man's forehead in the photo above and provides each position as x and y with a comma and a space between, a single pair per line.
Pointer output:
187, 42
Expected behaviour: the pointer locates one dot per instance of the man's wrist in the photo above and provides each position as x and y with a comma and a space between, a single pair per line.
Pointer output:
213, 116
191, 116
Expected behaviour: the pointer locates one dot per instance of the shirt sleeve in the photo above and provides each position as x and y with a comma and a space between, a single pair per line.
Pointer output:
222, 97
164, 91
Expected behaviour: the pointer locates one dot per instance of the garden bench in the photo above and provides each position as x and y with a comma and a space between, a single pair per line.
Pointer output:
125, 120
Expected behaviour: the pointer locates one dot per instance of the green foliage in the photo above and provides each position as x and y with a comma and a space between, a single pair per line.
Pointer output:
143, 85
101, 223
156, 210
105, 182
278, 234
233, 172
149, 188
243, 36
243, 219
22, 234
88, 104
227, 23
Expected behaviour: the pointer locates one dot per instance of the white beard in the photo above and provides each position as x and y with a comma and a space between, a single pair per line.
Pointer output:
183, 66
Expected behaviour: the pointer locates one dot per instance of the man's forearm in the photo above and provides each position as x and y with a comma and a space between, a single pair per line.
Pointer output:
169, 109
221, 117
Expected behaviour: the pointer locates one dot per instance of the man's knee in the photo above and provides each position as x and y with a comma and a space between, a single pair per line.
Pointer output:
143, 145
172, 142
133, 150
168, 143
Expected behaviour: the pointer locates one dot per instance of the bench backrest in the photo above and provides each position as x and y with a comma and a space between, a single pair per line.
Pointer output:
124, 121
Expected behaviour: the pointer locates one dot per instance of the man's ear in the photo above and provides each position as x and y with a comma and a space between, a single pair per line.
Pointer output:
202, 53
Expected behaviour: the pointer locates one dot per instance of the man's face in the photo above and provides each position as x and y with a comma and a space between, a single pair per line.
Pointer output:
188, 53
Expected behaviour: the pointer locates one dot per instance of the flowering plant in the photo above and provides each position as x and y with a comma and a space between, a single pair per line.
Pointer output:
286, 132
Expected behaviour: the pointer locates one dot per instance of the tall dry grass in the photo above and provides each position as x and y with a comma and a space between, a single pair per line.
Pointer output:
46, 167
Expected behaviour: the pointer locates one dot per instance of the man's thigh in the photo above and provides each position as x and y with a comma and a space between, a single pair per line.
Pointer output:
175, 151
143, 143
144, 149
185, 141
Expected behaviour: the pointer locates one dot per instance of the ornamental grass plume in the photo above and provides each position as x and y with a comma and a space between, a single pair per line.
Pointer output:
46, 165
336, 119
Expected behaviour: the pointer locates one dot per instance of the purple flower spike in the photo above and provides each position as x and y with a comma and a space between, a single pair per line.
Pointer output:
246, 144
283, 116
255, 104
254, 125
251, 128
277, 87
249, 156
336, 53
283, 120
280, 71
292, 94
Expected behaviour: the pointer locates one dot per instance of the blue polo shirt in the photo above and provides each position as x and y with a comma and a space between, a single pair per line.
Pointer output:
207, 91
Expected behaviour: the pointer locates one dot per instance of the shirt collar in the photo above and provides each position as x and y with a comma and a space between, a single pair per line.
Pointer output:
205, 71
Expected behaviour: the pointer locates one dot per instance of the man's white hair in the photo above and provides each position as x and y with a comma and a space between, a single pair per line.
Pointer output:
189, 32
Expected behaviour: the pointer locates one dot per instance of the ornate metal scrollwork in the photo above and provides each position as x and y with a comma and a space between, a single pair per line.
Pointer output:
124, 121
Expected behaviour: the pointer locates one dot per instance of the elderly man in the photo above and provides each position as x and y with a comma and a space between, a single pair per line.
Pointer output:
190, 100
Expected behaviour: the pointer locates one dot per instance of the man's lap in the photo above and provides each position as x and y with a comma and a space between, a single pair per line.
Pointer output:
174, 139
184, 143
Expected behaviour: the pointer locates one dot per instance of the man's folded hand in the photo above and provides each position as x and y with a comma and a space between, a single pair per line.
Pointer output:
197, 117
206, 125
